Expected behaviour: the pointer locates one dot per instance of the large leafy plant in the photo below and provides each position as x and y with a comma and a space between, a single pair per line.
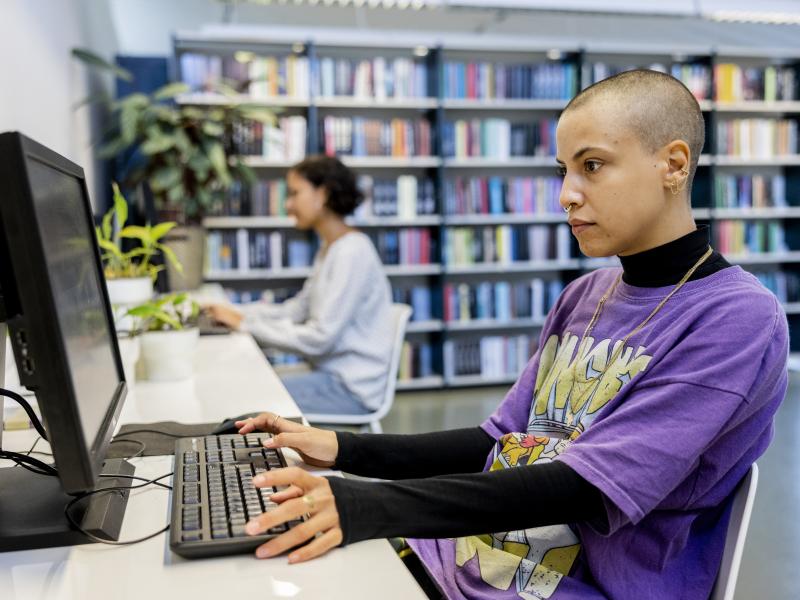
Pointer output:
138, 261
172, 312
184, 153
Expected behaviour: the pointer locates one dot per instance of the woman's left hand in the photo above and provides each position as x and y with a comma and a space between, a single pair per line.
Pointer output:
305, 495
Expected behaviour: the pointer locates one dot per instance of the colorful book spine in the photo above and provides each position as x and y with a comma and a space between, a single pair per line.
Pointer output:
736, 83
498, 138
286, 140
416, 361
489, 356
502, 195
496, 81
406, 246
695, 76
784, 284
378, 78
757, 138
505, 244
500, 300
406, 196
749, 191
749, 237
358, 136
245, 250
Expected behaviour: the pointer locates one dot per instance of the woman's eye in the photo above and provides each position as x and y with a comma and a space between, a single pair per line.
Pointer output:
592, 166
561, 170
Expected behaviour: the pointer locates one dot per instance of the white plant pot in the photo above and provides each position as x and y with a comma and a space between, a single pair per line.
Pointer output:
169, 355
126, 293
129, 350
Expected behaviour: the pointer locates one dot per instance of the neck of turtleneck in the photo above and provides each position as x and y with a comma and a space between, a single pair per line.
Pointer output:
667, 264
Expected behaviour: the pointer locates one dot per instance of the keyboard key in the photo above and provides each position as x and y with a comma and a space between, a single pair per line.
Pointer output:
192, 536
219, 533
238, 531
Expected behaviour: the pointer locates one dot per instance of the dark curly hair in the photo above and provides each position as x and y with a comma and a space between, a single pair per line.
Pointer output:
338, 180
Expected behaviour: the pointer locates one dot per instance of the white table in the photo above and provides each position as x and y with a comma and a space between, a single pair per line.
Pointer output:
232, 377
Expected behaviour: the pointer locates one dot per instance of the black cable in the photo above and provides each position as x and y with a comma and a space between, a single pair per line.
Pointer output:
149, 481
28, 461
37, 424
141, 450
174, 435
100, 540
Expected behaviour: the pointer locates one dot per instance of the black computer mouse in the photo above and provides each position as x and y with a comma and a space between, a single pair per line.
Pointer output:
228, 426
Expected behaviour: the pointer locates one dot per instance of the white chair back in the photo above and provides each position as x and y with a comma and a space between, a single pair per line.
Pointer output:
734, 540
400, 313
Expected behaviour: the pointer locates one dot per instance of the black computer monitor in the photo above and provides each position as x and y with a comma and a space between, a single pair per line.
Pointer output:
56, 307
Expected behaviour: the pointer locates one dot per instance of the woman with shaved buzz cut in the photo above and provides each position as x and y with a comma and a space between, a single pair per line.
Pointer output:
609, 469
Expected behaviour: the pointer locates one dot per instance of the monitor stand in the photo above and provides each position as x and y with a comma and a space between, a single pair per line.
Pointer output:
32, 505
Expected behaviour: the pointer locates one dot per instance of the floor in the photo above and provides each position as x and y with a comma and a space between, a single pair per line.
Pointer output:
772, 552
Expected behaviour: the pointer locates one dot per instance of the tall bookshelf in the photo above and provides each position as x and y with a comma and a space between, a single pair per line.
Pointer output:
459, 350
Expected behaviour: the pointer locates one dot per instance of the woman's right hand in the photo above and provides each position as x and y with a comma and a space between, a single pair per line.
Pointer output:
317, 447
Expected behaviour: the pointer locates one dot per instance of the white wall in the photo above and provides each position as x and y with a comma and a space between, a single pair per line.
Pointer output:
40, 83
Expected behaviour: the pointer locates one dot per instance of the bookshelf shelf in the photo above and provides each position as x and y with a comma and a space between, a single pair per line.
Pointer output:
493, 324
792, 308
522, 105
419, 221
388, 104
419, 383
520, 267
740, 161
472, 380
212, 99
599, 263
412, 270
782, 212
424, 326
391, 162
498, 219
779, 107
259, 274
705, 160
500, 163
248, 222
764, 258
706, 105
258, 162
701, 213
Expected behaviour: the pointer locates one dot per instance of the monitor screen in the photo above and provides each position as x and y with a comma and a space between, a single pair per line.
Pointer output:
55, 303
75, 284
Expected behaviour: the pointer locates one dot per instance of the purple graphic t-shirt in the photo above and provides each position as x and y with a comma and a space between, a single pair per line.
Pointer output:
665, 432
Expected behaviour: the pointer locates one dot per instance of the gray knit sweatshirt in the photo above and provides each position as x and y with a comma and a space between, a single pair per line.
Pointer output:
340, 320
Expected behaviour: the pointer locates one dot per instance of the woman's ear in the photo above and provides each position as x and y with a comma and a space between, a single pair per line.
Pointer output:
678, 157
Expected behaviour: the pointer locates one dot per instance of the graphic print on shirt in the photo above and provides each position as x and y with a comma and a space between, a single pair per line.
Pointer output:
568, 394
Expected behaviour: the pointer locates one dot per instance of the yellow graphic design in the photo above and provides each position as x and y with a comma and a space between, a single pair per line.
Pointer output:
572, 385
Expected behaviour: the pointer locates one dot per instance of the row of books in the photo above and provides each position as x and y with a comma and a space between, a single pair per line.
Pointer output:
407, 246
416, 361
757, 138
500, 195
422, 299
406, 196
489, 356
261, 77
379, 78
465, 246
749, 191
695, 76
286, 140
500, 300
243, 250
358, 136
498, 138
735, 83
784, 284
493, 81
749, 237
264, 198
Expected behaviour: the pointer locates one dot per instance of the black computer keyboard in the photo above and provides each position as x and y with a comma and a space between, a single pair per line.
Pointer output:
213, 496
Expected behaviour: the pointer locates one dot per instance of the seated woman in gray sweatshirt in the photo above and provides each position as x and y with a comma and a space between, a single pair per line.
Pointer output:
340, 320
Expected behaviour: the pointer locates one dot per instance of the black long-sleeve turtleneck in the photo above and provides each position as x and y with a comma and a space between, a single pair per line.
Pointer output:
443, 490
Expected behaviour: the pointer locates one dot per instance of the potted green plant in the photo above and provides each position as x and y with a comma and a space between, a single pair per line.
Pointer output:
130, 274
185, 154
169, 336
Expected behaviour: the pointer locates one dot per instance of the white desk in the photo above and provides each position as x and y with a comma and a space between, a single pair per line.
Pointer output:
232, 377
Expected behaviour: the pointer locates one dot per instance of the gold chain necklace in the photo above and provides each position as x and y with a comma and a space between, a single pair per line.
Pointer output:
599, 310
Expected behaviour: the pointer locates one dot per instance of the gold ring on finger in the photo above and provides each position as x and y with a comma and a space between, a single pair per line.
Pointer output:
309, 502
275, 420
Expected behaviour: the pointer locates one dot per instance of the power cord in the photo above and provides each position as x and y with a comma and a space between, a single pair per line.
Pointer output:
37, 424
